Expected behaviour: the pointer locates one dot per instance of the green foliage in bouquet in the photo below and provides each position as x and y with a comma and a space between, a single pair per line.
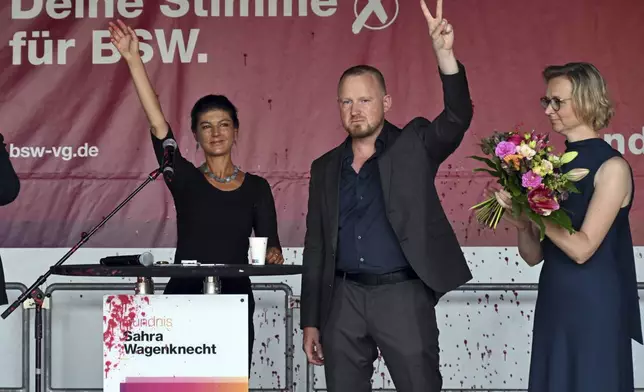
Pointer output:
527, 168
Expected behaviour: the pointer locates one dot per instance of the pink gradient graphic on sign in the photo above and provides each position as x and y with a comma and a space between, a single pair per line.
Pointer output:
185, 384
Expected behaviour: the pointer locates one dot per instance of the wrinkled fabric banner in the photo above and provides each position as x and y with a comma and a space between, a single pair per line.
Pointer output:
79, 139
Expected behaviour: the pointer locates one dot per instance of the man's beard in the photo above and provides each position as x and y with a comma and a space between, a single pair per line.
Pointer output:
361, 130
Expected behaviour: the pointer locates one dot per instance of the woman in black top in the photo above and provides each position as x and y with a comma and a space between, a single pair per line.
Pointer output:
218, 206
9, 189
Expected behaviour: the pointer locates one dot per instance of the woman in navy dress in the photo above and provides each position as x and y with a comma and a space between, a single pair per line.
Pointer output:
587, 309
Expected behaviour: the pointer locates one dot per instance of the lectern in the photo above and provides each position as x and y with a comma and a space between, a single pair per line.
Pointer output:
175, 343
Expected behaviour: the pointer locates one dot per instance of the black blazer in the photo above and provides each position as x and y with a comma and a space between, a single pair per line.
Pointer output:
408, 169
9, 189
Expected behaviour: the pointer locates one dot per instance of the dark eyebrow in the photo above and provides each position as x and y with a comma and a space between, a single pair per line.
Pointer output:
210, 123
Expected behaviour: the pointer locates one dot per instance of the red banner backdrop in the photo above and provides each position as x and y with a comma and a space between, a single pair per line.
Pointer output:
79, 139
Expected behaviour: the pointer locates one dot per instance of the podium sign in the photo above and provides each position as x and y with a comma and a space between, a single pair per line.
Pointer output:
172, 343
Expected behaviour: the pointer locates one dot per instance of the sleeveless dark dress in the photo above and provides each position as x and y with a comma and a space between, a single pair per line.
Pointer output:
586, 315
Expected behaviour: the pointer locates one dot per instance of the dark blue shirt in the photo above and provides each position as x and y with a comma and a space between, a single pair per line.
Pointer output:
366, 241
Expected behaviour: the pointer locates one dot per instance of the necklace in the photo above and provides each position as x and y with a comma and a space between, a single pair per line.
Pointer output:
206, 170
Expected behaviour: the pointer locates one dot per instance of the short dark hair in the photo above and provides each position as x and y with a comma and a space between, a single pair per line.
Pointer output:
212, 102
362, 69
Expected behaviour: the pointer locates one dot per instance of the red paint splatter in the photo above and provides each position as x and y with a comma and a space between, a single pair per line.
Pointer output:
496, 308
487, 298
123, 312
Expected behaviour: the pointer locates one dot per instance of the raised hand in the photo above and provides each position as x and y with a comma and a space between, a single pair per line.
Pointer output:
124, 39
126, 42
440, 30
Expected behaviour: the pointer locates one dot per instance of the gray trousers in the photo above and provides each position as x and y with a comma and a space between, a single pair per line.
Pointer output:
397, 318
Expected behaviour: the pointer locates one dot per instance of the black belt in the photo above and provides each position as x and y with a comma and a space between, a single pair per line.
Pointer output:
374, 280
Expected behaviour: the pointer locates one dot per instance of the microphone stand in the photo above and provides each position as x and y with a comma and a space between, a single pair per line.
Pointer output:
36, 294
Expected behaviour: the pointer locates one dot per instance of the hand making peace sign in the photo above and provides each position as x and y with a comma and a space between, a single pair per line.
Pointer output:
440, 30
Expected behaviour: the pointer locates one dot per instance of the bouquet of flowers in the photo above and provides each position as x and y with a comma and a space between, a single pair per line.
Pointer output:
531, 173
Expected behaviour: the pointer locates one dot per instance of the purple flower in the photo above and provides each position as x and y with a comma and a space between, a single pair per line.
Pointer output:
530, 179
505, 148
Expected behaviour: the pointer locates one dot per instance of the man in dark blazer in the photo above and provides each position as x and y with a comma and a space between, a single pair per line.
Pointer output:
379, 250
9, 188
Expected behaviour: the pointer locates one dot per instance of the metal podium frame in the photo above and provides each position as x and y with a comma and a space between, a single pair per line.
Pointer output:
26, 342
47, 349
289, 303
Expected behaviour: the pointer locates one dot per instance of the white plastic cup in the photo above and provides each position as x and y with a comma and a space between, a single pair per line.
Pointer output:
258, 250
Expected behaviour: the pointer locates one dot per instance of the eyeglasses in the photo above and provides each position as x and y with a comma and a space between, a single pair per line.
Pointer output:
554, 101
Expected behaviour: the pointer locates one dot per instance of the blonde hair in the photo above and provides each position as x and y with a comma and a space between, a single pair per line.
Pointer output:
591, 103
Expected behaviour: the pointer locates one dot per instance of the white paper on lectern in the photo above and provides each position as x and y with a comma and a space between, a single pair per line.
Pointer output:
184, 323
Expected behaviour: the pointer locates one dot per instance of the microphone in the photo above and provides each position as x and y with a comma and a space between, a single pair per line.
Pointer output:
169, 148
146, 259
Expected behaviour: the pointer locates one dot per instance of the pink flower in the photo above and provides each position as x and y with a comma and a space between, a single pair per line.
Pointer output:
505, 148
515, 139
542, 201
540, 137
530, 179
542, 142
